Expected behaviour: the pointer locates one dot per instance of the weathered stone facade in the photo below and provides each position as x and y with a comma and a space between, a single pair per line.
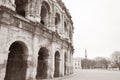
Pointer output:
35, 40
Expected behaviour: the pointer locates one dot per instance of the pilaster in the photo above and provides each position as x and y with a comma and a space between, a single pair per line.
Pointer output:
8, 3
3, 63
33, 10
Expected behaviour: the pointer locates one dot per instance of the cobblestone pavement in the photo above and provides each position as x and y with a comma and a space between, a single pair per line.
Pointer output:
94, 75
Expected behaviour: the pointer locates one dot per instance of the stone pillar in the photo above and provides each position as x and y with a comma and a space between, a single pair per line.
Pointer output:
34, 56
33, 10
49, 19
66, 64
4, 51
30, 68
30, 11
68, 70
8, 3
52, 57
50, 69
62, 31
62, 62
3, 64
53, 18
72, 68
71, 64
38, 10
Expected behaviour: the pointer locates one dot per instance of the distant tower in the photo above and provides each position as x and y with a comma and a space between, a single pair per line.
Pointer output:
85, 53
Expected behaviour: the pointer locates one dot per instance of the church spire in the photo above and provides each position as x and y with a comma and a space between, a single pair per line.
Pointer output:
85, 53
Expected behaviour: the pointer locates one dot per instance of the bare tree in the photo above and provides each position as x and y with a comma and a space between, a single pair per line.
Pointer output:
116, 58
102, 62
88, 64
98, 62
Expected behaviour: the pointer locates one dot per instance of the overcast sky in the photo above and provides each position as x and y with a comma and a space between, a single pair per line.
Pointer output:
97, 26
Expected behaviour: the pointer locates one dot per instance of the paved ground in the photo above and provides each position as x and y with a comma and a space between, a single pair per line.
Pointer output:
94, 75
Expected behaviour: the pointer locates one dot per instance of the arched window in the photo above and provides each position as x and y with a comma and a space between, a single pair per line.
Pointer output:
20, 6
57, 18
45, 11
65, 26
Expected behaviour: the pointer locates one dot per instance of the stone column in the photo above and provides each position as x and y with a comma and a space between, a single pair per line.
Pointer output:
4, 51
50, 69
52, 61
68, 63
71, 64
29, 10
49, 19
62, 62
8, 3
68, 68
62, 31
38, 10
33, 10
34, 58
53, 17
72, 68
3, 62
30, 68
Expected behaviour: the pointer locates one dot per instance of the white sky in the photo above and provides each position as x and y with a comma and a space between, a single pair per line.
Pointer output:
97, 26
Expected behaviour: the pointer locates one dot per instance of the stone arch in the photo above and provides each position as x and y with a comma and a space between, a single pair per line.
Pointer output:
42, 66
17, 61
20, 7
65, 63
57, 18
57, 64
45, 13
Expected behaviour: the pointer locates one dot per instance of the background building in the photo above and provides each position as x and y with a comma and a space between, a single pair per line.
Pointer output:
35, 39
77, 64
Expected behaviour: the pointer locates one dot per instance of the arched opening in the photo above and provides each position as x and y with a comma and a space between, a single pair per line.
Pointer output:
45, 11
57, 18
57, 64
17, 62
42, 63
20, 6
65, 26
65, 64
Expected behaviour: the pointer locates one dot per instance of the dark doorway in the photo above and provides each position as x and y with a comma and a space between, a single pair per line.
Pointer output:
57, 64
42, 63
17, 62
20, 6
65, 63
57, 18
